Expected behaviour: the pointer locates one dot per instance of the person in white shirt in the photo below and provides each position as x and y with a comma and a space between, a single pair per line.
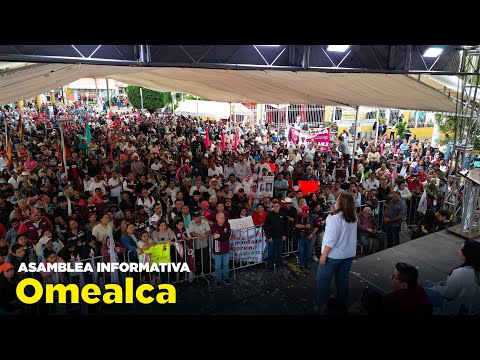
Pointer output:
404, 170
371, 182
156, 165
232, 183
310, 153
295, 157
338, 250
260, 165
241, 167
359, 150
115, 186
198, 186
465, 276
214, 170
97, 183
171, 190
229, 168
153, 148
405, 194
3, 163
14, 180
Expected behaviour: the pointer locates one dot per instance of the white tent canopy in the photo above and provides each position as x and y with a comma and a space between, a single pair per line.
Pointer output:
252, 86
213, 109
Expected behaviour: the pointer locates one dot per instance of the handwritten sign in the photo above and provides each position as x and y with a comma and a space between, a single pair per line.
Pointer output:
242, 223
248, 245
157, 254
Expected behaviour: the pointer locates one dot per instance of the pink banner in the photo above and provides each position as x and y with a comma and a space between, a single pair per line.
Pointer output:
293, 135
322, 137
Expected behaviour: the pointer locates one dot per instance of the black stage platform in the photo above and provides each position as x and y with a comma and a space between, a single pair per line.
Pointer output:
433, 255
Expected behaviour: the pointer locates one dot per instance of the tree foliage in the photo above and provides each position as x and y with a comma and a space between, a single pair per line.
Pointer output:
152, 100
447, 125
401, 127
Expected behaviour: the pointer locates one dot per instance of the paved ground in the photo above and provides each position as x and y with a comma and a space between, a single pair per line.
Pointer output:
255, 290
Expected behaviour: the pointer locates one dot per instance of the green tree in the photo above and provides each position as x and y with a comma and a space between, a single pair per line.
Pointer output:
447, 125
192, 97
401, 127
152, 100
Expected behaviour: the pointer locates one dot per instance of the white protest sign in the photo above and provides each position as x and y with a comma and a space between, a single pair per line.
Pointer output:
242, 223
248, 245
265, 185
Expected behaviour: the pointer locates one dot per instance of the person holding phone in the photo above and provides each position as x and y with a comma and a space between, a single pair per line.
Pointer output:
338, 250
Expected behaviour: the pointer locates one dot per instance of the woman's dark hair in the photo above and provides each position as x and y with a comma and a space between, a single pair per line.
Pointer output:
141, 233
471, 251
429, 217
346, 206
260, 204
15, 247
47, 253
178, 221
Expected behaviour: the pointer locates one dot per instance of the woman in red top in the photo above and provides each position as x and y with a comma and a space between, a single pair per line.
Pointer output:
259, 215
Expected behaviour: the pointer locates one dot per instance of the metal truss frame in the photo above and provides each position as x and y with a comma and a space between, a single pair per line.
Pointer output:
467, 124
388, 59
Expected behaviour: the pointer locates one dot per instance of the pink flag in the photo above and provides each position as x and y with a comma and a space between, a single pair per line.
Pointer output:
224, 146
235, 140
207, 139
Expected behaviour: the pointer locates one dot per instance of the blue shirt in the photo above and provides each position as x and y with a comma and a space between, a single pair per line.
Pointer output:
280, 183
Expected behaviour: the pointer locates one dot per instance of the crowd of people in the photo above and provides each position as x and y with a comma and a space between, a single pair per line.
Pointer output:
152, 178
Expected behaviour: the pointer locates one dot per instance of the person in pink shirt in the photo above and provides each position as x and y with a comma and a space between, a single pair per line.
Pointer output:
30, 164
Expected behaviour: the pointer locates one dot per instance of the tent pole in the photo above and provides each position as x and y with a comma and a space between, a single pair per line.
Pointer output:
197, 108
278, 128
352, 155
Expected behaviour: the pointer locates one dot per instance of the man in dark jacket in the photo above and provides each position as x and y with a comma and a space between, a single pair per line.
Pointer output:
275, 227
221, 232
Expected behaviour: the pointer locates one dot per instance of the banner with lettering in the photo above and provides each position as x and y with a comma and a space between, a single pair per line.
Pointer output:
156, 254
241, 223
248, 245
322, 136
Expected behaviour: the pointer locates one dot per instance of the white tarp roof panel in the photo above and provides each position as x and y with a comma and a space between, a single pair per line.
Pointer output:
214, 109
236, 86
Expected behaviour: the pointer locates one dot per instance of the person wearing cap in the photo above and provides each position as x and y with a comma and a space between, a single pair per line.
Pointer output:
275, 227
367, 230
52, 277
304, 231
33, 227
9, 280
45, 243
200, 230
